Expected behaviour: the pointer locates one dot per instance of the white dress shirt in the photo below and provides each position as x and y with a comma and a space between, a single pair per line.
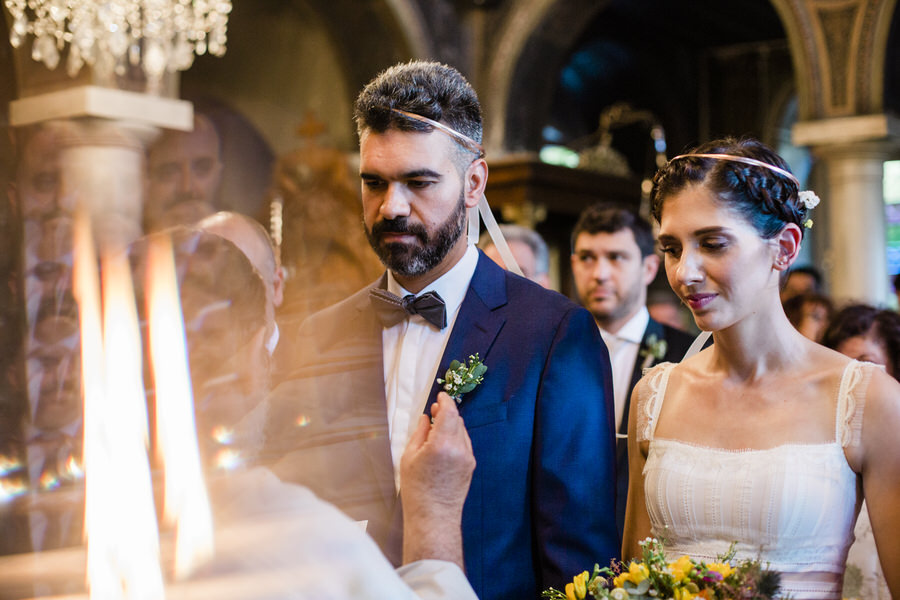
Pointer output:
412, 352
623, 347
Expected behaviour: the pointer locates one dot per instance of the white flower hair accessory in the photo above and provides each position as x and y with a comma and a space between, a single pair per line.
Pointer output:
809, 199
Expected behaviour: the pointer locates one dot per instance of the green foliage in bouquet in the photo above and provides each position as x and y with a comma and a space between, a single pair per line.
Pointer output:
462, 378
653, 578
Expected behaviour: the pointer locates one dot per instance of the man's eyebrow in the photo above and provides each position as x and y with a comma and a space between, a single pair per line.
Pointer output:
408, 175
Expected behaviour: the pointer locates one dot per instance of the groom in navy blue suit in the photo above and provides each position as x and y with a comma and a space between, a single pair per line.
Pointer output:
541, 506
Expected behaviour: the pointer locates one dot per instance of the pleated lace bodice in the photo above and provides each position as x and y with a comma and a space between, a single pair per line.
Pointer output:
793, 506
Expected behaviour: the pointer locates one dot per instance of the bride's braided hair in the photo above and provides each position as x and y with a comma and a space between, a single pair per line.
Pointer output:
767, 198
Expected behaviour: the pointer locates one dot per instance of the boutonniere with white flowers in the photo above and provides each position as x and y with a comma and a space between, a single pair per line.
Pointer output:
654, 349
461, 378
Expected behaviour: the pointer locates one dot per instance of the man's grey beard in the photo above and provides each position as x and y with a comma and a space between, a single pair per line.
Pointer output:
412, 261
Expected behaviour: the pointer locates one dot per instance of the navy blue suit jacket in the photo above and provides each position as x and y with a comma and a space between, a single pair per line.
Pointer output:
541, 507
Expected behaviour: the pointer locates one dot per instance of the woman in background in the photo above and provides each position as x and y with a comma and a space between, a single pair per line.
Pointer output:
765, 438
871, 334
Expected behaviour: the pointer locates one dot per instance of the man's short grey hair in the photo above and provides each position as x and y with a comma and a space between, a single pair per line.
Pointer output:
527, 236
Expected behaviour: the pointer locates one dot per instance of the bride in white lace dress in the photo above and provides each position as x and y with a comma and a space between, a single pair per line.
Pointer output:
765, 438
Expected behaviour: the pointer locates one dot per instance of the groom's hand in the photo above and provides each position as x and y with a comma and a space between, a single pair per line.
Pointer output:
435, 473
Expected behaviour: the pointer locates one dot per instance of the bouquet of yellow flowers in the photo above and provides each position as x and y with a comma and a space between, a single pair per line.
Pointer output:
685, 579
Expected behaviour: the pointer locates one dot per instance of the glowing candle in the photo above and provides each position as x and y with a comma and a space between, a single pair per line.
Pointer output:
186, 500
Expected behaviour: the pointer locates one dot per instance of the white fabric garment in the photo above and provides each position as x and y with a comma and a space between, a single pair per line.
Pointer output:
863, 579
278, 541
412, 352
623, 347
793, 506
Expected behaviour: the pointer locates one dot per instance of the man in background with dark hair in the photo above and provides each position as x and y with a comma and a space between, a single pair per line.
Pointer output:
541, 505
613, 262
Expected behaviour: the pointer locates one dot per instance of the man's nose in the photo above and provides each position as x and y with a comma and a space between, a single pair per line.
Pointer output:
185, 180
395, 203
602, 269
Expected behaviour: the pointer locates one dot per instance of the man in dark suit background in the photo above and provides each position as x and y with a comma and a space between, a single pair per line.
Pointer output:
613, 262
541, 504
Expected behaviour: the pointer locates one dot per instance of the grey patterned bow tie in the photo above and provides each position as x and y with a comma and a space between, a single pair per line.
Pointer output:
392, 309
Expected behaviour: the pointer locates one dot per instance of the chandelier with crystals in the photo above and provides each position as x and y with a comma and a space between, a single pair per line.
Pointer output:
110, 35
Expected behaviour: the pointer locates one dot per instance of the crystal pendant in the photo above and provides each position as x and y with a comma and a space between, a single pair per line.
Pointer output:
118, 42
134, 54
36, 54
58, 11
50, 52
75, 62
18, 31
183, 53
154, 59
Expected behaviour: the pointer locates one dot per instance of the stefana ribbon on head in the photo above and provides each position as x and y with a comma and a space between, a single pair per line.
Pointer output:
808, 198
483, 207
461, 138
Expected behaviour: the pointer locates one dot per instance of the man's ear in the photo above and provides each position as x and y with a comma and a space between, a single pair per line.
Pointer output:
475, 182
787, 246
650, 265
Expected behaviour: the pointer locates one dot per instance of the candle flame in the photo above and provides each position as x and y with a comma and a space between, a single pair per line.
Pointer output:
120, 520
186, 500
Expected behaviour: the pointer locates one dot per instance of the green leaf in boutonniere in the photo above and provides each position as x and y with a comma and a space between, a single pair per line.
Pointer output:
654, 349
462, 378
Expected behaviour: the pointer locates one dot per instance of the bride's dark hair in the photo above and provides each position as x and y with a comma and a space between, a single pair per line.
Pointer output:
766, 198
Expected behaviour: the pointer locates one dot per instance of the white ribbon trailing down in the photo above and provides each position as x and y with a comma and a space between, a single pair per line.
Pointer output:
494, 231
697, 344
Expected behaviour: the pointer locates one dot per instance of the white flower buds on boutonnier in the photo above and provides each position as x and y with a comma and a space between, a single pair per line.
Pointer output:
655, 349
462, 378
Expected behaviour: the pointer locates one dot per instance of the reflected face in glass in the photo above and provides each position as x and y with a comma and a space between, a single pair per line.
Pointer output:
184, 170
413, 199
223, 302
54, 373
56, 318
38, 178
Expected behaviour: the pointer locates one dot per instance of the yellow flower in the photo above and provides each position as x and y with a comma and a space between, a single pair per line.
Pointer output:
722, 568
682, 594
681, 568
637, 572
577, 590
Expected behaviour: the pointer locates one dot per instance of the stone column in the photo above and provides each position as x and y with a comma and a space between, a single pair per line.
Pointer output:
101, 169
852, 151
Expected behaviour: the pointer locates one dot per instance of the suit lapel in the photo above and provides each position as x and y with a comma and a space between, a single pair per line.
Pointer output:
653, 329
376, 448
477, 325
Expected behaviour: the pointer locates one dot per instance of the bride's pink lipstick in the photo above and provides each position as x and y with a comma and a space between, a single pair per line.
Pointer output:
699, 301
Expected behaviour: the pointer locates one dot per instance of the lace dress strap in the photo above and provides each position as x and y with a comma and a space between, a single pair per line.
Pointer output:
851, 402
650, 399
